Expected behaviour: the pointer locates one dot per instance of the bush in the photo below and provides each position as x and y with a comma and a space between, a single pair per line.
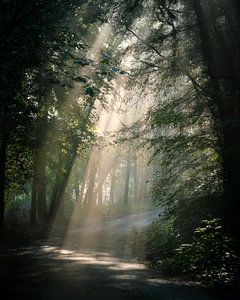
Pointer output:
18, 210
157, 243
209, 258
161, 240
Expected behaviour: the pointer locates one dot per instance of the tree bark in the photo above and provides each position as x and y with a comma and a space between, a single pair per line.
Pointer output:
127, 180
39, 201
3, 157
135, 177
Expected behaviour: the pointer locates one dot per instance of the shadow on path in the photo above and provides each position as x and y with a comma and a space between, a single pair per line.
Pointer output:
93, 262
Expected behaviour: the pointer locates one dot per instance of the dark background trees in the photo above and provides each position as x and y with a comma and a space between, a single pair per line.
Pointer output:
41, 47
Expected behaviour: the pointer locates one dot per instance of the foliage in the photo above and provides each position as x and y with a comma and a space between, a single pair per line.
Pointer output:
210, 257
18, 209
44, 57
162, 239
156, 243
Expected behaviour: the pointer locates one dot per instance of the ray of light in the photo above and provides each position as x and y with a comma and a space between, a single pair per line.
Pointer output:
103, 160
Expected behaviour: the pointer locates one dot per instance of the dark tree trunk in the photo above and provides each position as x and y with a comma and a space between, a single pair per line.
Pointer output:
34, 202
62, 176
54, 202
3, 157
41, 178
39, 201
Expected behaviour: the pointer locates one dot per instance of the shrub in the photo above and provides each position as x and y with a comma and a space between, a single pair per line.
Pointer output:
157, 243
161, 240
210, 257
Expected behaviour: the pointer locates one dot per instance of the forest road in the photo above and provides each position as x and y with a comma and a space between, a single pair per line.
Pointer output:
93, 262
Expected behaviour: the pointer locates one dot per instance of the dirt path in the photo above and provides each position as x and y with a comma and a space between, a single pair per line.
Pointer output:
95, 262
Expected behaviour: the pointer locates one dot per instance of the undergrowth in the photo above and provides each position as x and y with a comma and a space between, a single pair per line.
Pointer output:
209, 257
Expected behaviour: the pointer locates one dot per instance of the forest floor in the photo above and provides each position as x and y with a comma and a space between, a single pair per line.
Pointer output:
93, 261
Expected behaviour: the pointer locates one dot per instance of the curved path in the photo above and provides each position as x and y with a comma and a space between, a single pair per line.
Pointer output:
94, 262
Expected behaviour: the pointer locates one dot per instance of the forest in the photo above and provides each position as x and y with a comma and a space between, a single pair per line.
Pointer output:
116, 110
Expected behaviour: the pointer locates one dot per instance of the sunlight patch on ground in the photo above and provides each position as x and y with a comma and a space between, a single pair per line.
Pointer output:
124, 277
128, 266
95, 258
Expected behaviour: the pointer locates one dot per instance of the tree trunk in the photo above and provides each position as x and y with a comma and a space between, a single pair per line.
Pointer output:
3, 157
42, 201
135, 177
127, 180
34, 202
63, 173
54, 202
39, 201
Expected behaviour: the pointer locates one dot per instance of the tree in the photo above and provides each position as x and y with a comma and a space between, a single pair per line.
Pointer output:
55, 29
25, 26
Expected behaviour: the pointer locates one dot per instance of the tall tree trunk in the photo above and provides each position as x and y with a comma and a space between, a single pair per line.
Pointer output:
41, 178
34, 202
39, 201
135, 177
106, 165
3, 157
62, 176
54, 202
127, 180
